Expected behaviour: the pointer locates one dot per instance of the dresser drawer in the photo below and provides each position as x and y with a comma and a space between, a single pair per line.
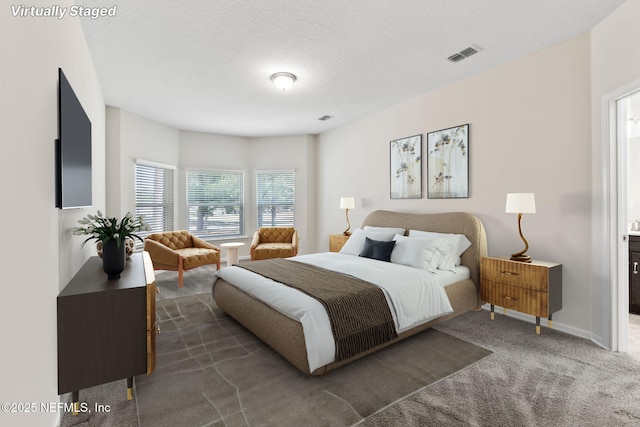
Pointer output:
516, 298
523, 275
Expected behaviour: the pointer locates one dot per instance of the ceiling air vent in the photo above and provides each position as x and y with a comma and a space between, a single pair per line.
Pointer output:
464, 53
325, 117
456, 57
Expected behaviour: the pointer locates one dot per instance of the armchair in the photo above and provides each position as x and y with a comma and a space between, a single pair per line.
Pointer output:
274, 242
180, 251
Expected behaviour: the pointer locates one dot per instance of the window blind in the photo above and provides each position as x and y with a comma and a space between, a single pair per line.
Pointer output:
275, 191
215, 203
154, 196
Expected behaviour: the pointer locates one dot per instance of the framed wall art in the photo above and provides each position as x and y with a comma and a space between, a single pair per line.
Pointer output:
406, 168
448, 163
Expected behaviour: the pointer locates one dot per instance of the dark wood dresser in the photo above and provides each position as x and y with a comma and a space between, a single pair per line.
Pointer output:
106, 328
634, 274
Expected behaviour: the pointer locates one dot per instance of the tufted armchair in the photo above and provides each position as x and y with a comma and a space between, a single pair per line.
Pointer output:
274, 242
180, 251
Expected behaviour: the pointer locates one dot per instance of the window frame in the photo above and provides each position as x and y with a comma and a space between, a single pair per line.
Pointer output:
240, 203
259, 219
168, 197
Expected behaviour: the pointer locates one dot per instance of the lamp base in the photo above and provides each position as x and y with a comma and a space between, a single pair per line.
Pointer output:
520, 257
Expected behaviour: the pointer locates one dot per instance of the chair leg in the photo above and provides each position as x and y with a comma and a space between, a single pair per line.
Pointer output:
218, 265
180, 272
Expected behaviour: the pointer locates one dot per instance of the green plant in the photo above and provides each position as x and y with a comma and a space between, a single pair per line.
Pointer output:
101, 228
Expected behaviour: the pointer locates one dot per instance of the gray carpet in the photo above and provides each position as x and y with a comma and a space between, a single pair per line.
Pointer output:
552, 379
122, 412
114, 411
634, 335
196, 281
212, 371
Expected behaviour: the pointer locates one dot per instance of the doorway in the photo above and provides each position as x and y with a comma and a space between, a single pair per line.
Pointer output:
628, 141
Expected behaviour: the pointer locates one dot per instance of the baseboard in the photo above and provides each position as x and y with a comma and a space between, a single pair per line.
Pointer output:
558, 326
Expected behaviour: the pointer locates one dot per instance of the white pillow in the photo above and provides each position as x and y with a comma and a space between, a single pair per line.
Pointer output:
460, 242
424, 254
355, 244
393, 230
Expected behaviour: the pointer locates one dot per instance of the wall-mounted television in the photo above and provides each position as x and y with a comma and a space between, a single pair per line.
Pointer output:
73, 149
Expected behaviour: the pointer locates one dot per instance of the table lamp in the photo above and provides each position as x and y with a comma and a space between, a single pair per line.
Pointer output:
347, 203
521, 203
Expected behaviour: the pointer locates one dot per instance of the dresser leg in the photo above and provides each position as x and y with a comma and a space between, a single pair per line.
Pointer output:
75, 396
130, 388
537, 325
550, 320
493, 315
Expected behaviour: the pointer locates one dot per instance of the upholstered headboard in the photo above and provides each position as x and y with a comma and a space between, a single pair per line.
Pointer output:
450, 222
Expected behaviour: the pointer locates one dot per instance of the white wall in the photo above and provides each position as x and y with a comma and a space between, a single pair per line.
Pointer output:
40, 255
615, 64
131, 137
290, 152
529, 132
211, 151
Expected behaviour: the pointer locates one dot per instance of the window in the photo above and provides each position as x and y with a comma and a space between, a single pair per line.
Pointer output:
154, 195
275, 192
215, 203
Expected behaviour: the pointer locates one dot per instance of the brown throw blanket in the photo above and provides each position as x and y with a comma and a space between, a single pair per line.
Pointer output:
358, 311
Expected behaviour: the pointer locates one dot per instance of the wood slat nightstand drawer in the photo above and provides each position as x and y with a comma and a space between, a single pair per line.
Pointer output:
337, 241
523, 300
514, 273
534, 288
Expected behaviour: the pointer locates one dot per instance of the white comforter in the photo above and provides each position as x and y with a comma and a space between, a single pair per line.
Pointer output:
414, 296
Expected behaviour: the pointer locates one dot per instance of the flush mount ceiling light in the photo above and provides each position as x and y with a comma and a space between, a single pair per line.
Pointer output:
283, 81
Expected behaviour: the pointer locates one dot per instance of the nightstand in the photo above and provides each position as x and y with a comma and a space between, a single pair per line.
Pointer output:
337, 241
534, 288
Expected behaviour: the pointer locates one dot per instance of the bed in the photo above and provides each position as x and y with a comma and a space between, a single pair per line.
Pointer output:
284, 331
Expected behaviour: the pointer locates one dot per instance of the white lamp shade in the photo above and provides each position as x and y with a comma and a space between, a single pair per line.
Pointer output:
283, 81
347, 203
520, 203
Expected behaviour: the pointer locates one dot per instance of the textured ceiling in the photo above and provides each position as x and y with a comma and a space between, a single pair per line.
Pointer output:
205, 65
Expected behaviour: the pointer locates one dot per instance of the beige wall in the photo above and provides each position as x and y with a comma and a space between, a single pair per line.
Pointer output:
529, 132
39, 253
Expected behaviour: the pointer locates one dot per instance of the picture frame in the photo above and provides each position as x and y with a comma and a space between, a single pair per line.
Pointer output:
405, 167
448, 163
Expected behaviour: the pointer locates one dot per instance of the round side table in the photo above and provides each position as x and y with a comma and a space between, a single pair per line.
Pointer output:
232, 252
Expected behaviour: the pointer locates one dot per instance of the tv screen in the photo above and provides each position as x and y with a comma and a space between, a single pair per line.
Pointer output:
73, 149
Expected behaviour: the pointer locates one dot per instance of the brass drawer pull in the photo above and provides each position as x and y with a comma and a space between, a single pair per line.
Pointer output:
509, 273
508, 298
635, 267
